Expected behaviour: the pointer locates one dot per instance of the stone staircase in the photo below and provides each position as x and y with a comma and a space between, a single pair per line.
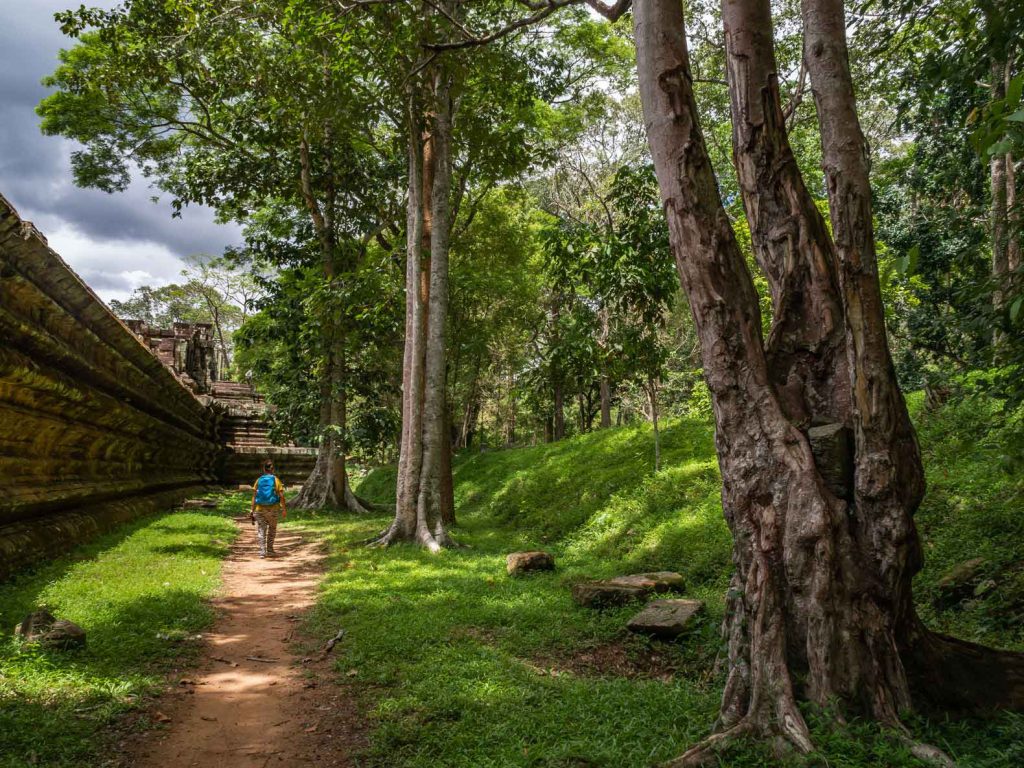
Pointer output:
245, 430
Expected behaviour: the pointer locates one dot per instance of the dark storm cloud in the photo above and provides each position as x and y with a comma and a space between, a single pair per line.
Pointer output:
35, 171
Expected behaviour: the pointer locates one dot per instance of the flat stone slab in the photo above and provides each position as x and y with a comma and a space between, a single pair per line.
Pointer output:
666, 619
518, 563
604, 594
624, 589
656, 581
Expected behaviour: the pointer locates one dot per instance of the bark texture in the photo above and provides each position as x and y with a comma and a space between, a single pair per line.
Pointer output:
806, 346
425, 504
773, 499
820, 605
889, 475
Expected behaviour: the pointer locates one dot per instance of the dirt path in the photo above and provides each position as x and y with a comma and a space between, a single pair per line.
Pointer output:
252, 702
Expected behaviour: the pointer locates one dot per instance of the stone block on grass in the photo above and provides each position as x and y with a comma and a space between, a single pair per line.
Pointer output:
665, 619
621, 590
519, 563
199, 504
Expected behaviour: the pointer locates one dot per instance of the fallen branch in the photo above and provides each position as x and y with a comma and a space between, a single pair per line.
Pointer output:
331, 643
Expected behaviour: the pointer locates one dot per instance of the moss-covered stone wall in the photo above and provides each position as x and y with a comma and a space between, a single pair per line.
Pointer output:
94, 429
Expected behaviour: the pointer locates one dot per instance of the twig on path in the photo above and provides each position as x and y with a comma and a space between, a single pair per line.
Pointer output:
331, 643
260, 658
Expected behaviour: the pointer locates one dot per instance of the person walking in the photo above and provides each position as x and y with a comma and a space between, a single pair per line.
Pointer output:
267, 503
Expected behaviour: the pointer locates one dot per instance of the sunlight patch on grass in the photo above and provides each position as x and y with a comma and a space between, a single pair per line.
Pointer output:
139, 593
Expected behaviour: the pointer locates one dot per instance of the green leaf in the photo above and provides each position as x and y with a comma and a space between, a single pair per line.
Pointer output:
1015, 308
1014, 90
907, 265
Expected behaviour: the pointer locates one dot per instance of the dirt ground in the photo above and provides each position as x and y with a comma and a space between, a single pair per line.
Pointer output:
254, 700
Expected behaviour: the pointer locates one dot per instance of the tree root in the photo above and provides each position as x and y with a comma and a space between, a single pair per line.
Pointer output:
960, 675
353, 503
393, 534
373, 506
708, 751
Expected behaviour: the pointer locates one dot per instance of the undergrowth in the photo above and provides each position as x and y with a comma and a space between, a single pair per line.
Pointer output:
463, 666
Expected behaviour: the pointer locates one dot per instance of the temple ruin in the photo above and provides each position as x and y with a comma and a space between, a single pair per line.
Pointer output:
99, 425
192, 355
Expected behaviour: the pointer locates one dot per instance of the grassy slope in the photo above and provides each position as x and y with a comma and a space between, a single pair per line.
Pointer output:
139, 593
455, 657
462, 666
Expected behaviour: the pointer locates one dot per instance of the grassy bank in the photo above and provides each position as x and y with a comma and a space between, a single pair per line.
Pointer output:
462, 666
140, 594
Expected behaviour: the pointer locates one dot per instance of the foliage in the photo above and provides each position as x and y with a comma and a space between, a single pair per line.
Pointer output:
215, 292
512, 667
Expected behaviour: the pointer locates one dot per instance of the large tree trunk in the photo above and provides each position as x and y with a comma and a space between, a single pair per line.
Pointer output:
327, 485
806, 346
820, 606
766, 463
889, 476
425, 458
410, 456
805, 617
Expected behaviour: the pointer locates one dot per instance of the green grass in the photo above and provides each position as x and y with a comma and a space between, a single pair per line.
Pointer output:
458, 665
450, 654
139, 593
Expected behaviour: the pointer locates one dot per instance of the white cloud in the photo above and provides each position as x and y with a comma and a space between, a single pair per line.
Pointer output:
115, 242
113, 268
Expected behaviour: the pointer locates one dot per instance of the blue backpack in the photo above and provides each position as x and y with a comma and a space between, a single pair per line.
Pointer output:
266, 491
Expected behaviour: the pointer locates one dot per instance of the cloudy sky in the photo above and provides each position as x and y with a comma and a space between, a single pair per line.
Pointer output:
115, 242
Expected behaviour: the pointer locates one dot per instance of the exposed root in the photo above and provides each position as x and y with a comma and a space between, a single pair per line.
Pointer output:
353, 503
708, 751
373, 506
394, 534
385, 538
958, 675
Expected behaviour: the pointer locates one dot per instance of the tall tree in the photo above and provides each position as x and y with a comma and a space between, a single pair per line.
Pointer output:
820, 606
236, 107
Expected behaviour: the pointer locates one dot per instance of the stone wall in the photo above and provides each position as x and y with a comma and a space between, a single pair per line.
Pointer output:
94, 429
